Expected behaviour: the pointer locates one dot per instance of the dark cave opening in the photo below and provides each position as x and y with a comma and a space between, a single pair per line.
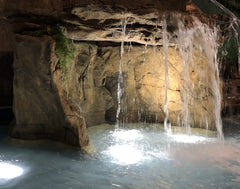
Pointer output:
6, 87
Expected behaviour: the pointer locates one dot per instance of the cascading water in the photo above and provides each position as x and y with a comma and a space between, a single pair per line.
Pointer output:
140, 155
120, 89
209, 38
198, 75
185, 43
200, 37
167, 126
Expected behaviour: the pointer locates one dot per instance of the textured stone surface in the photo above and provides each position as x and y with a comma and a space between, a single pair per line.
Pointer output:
96, 24
58, 6
39, 106
93, 20
93, 79
46, 107
6, 37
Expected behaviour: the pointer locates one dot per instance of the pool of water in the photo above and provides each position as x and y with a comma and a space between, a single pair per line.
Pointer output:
135, 157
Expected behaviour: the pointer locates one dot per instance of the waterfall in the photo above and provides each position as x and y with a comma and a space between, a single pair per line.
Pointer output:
185, 43
120, 89
209, 38
202, 38
167, 126
197, 74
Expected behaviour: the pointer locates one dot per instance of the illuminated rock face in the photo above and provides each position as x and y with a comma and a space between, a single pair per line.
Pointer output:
47, 107
41, 107
93, 85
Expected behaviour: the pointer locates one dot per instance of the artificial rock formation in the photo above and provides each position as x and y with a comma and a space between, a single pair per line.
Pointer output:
93, 83
39, 103
47, 106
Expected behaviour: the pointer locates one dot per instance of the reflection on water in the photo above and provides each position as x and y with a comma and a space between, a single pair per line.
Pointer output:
125, 154
125, 150
127, 135
9, 171
188, 138
139, 156
136, 144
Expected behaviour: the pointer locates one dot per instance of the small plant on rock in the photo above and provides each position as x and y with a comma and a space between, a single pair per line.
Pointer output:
65, 48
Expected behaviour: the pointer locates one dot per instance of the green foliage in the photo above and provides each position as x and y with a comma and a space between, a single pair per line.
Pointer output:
228, 51
65, 49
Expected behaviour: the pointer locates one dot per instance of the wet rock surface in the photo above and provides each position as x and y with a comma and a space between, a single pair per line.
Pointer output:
44, 106
93, 80
47, 107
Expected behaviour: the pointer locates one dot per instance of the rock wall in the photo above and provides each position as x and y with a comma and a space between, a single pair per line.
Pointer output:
56, 7
39, 107
93, 79
47, 107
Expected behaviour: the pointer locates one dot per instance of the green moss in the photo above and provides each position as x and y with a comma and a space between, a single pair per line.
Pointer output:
65, 48
228, 51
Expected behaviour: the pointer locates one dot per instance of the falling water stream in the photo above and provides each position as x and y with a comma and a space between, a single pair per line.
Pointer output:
185, 45
205, 40
210, 45
140, 155
120, 89
167, 126
198, 37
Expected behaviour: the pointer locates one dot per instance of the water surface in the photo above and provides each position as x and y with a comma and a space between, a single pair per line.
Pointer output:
137, 156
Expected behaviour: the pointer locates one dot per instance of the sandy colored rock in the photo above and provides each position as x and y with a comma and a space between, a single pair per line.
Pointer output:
93, 80
39, 103
47, 107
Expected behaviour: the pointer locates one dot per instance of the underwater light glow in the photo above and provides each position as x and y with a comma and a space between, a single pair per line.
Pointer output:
127, 135
9, 171
125, 154
181, 138
129, 148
